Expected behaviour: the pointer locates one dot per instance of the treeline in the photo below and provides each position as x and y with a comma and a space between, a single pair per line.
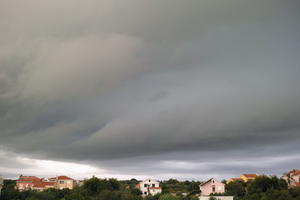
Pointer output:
104, 189
262, 188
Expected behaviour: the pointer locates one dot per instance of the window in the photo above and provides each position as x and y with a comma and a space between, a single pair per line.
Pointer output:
145, 185
61, 182
145, 192
213, 188
153, 185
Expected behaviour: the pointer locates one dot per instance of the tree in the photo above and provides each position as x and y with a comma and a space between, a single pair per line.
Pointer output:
168, 197
236, 188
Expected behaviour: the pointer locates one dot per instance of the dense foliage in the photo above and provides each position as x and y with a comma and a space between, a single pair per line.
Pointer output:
262, 188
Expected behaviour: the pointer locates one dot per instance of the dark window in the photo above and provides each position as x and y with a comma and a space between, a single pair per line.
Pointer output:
214, 188
145, 185
145, 192
153, 185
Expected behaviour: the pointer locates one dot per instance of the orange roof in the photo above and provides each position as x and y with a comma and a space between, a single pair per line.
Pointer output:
250, 175
156, 188
28, 179
295, 172
64, 178
61, 178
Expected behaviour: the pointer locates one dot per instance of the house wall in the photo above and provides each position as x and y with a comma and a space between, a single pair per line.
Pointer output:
24, 185
212, 187
61, 184
149, 187
296, 178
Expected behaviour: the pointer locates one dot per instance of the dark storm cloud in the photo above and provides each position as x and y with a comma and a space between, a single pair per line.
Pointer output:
116, 82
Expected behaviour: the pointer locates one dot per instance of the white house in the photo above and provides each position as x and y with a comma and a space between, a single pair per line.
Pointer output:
149, 187
292, 177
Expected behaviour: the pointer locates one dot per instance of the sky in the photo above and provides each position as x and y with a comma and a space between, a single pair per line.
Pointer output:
159, 89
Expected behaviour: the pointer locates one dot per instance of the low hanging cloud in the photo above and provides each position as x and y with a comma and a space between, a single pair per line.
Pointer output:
113, 83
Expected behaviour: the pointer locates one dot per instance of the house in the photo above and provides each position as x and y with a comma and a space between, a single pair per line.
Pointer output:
149, 187
248, 177
212, 186
40, 184
292, 178
63, 182
243, 177
28, 182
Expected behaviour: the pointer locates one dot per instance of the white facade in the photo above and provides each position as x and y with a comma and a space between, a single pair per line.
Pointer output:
216, 197
149, 187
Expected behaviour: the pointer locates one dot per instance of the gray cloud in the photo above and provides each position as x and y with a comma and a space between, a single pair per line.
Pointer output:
121, 82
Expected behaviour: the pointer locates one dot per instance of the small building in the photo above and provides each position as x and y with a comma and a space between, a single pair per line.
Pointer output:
212, 186
248, 177
243, 177
292, 178
40, 184
63, 182
28, 182
149, 187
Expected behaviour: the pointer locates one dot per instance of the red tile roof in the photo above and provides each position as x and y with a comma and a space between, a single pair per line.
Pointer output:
61, 178
295, 172
250, 175
156, 188
64, 178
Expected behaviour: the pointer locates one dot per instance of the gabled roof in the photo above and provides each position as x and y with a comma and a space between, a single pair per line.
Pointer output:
64, 178
295, 172
210, 181
61, 178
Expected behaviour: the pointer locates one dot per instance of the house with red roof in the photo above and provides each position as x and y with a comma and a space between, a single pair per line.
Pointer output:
40, 184
292, 178
243, 177
149, 187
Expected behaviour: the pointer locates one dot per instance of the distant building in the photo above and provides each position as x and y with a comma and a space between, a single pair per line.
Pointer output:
248, 177
243, 177
63, 182
40, 184
149, 187
212, 186
292, 178
28, 182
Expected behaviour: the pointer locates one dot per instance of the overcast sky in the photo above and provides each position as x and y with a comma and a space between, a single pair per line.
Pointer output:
187, 89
